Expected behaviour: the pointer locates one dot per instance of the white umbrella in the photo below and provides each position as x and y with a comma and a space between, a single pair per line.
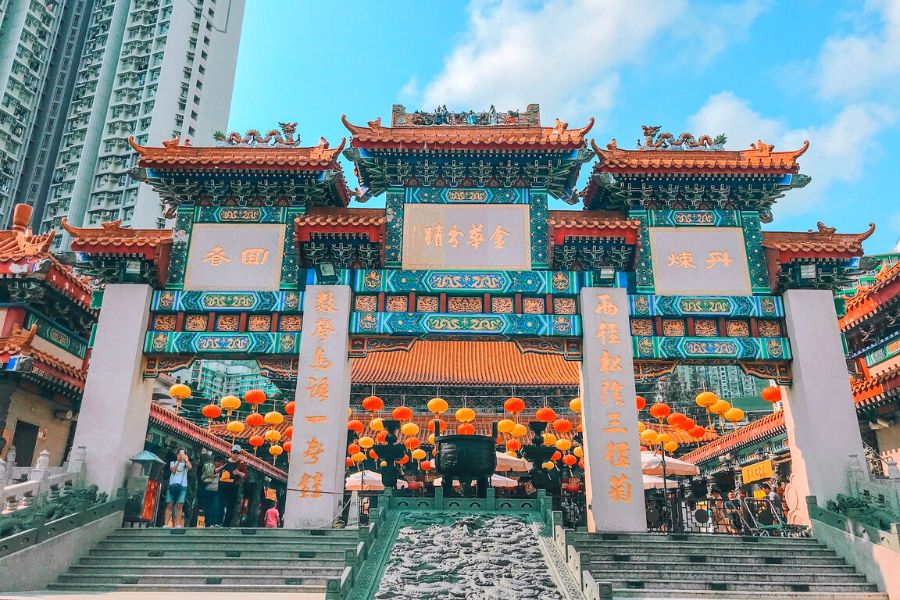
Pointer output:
505, 463
652, 482
498, 481
368, 481
651, 464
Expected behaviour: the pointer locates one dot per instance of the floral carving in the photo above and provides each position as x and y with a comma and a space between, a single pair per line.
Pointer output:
259, 323
534, 306
737, 329
564, 306
642, 327
464, 305
164, 322
769, 328
290, 323
196, 322
501, 305
228, 322
427, 304
398, 303
705, 328
366, 303
673, 328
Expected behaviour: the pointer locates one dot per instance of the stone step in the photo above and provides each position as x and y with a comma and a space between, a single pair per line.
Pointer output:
838, 567
705, 538
657, 594
730, 558
212, 579
217, 554
250, 532
213, 589
275, 571
663, 542
727, 574
726, 585
190, 560
663, 552
274, 545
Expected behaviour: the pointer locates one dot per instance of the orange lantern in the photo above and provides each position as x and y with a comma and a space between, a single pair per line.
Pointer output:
545, 415
705, 399
381, 436
466, 429
519, 431
256, 441
514, 405
254, 420
348, 462
771, 394
575, 405
687, 424
442, 425
272, 436
697, 432
287, 446
289, 408
372, 403
426, 465
234, 427
675, 419
641, 402
274, 418
230, 404
212, 411
569, 460
353, 449
403, 460
254, 398
513, 445
289, 431
438, 406
733, 415
402, 413
275, 450
373, 455
376, 424
720, 407
505, 425
355, 426
562, 425
660, 411
465, 415
412, 443
556, 455
180, 392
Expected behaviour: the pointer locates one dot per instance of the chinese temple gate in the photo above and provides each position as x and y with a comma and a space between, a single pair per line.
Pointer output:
466, 266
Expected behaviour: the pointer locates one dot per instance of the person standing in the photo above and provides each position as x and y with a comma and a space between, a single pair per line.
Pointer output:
177, 490
272, 518
209, 493
231, 476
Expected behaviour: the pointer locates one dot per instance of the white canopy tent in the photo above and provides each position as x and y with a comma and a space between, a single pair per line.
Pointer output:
368, 481
651, 464
506, 463
497, 481
652, 482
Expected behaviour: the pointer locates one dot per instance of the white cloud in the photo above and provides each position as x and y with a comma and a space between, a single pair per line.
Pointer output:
827, 160
852, 66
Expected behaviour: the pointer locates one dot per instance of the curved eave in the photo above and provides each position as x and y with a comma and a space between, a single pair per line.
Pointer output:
761, 429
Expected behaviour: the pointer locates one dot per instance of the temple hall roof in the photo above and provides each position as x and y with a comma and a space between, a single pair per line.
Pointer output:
873, 298
112, 238
18, 342
825, 241
465, 363
760, 429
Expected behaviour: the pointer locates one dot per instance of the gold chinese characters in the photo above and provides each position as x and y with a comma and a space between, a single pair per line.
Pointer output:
685, 259
217, 256
434, 235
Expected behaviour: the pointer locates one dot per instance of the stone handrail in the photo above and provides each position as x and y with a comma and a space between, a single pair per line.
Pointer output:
884, 490
889, 539
40, 479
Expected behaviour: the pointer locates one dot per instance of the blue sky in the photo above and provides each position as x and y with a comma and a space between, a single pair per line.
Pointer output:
827, 71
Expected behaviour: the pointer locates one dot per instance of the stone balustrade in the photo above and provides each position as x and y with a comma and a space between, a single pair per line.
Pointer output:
880, 490
20, 487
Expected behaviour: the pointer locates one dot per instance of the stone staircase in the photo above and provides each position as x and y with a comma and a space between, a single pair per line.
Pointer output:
715, 566
214, 560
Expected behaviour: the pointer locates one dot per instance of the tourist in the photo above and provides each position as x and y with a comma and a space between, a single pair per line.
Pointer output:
774, 499
733, 510
272, 517
177, 490
209, 493
231, 475
717, 507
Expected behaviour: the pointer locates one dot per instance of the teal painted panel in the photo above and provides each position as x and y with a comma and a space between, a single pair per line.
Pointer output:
57, 335
660, 348
444, 195
883, 353
380, 323
240, 214
184, 342
195, 301
723, 306
696, 218
500, 282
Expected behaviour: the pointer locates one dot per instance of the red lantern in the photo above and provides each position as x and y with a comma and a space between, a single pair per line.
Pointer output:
212, 411
660, 410
581, 463
289, 408
426, 465
412, 443
254, 419
569, 460
562, 425
571, 487
556, 455
254, 397
641, 402
287, 446
545, 415
466, 429
353, 449
514, 445
355, 426
403, 460
771, 394
675, 419
348, 462
289, 432
373, 455
514, 405
402, 413
697, 432
256, 441
414, 486
687, 424
381, 436
442, 424
372, 403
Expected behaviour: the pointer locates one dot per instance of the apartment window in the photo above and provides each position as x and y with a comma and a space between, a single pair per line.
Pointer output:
206, 40
203, 54
208, 26
191, 131
199, 85
193, 115
196, 99
201, 69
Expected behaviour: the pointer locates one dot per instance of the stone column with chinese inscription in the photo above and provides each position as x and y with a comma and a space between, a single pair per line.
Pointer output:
115, 408
316, 472
819, 414
612, 457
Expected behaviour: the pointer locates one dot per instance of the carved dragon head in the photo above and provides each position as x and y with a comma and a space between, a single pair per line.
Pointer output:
650, 131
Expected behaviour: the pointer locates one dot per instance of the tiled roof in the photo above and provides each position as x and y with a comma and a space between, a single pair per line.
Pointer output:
18, 342
593, 219
823, 241
111, 239
869, 300
175, 155
467, 137
167, 419
759, 158
760, 429
341, 220
464, 363
872, 390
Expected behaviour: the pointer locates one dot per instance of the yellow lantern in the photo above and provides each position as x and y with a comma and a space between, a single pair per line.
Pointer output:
641, 427
418, 454
437, 406
549, 465
179, 391
670, 446
733, 415
563, 444
274, 418
505, 425
706, 399
549, 439
431, 438
578, 451
409, 429
720, 407
230, 404
383, 463
575, 405
358, 457
465, 415
519, 430
366, 442
663, 438
376, 424
272, 436
235, 427
275, 450
648, 436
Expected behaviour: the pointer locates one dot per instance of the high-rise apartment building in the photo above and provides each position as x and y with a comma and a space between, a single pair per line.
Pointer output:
40, 43
152, 69
726, 381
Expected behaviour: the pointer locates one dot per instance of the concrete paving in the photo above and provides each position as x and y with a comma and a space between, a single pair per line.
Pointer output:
161, 596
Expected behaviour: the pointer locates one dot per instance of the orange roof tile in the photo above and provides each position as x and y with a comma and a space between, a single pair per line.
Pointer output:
760, 157
593, 219
18, 342
871, 389
863, 296
760, 429
340, 220
467, 137
113, 239
825, 240
175, 155
464, 363
19, 242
